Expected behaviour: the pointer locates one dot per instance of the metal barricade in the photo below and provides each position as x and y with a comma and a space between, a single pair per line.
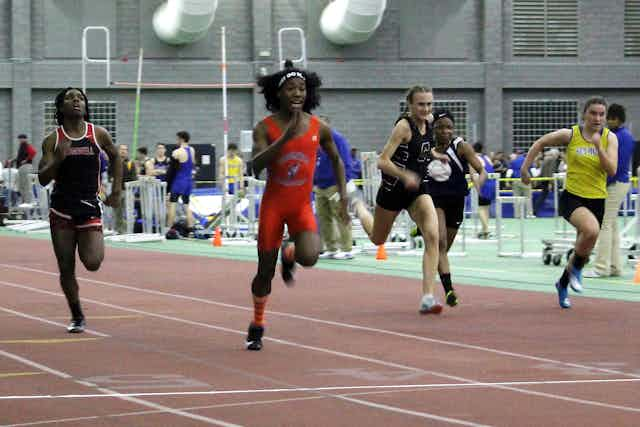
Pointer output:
151, 195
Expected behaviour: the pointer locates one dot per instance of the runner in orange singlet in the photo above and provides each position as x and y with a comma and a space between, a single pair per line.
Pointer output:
286, 143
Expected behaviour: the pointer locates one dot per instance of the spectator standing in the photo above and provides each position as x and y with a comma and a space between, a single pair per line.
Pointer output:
24, 163
549, 166
520, 188
486, 193
129, 173
608, 261
142, 157
234, 170
328, 199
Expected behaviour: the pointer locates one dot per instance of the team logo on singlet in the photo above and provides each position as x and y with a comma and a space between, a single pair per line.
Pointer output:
293, 170
291, 165
81, 151
586, 151
425, 152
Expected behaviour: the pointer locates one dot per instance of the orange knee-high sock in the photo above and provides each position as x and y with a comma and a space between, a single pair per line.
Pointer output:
290, 252
259, 304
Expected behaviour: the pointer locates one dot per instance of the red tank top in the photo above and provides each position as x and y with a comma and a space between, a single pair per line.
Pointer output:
291, 172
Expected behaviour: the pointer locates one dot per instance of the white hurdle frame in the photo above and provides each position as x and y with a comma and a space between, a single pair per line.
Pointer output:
516, 200
303, 47
86, 60
152, 193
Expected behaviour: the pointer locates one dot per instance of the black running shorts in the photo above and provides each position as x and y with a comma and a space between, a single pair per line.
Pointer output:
570, 202
453, 207
397, 198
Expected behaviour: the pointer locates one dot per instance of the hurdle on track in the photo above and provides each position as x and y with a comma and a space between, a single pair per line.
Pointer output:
518, 202
151, 196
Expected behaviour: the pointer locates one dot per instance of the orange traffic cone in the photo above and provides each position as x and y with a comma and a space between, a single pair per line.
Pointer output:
381, 254
217, 237
636, 277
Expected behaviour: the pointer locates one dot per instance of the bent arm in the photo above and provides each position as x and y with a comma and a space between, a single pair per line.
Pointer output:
476, 164
560, 137
106, 143
401, 134
609, 158
263, 153
48, 166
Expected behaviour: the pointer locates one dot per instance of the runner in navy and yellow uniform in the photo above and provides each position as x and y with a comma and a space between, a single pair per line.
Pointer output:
448, 187
71, 157
592, 154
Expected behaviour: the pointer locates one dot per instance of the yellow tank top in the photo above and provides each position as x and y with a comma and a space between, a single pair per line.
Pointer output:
585, 176
234, 168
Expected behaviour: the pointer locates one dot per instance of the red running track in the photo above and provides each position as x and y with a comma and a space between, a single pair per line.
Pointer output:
342, 349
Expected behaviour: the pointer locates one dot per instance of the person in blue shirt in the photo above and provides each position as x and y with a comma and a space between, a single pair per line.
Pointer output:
356, 165
608, 261
519, 188
182, 182
333, 230
486, 193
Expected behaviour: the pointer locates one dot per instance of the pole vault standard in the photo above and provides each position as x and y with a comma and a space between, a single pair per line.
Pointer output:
136, 114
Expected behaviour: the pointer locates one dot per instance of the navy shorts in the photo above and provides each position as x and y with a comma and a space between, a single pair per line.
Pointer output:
397, 198
570, 202
453, 207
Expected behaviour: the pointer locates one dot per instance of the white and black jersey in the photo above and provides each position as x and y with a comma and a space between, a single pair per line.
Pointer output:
448, 178
412, 156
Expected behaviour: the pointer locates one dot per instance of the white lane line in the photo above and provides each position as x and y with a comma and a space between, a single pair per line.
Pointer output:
342, 325
35, 365
338, 353
141, 402
220, 328
162, 408
49, 322
391, 387
414, 413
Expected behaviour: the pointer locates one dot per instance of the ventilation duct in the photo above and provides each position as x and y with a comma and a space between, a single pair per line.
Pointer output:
346, 22
184, 21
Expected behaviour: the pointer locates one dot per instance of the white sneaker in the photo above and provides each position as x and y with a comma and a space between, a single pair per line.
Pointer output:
592, 274
429, 305
575, 280
327, 255
342, 255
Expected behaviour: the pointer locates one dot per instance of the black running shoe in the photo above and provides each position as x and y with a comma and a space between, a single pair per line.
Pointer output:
76, 326
254, 337
288, 266
452, 298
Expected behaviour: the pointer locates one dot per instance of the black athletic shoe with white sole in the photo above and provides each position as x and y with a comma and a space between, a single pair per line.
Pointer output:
76, 326
254, 337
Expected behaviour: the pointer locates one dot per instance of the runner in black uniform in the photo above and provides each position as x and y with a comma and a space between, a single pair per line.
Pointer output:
71, 157
402, 164
448, 187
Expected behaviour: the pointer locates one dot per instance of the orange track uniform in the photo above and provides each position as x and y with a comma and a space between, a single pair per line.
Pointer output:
287, 197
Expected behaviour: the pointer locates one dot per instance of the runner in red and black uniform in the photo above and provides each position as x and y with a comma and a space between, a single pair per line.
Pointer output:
286, 143
71, 157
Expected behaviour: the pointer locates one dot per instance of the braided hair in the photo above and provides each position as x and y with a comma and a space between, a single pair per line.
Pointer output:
59, 115
272, 83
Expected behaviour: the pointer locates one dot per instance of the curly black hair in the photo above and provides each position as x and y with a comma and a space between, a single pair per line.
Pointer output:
270, 85
59, 115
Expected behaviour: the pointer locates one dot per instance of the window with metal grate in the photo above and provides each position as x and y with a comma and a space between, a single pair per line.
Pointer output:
103, 113
533, 118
